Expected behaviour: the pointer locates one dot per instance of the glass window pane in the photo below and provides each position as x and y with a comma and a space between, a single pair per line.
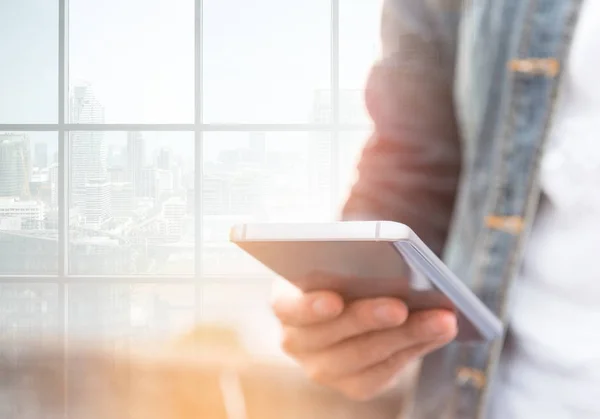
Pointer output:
162, 311
137, 55
29, 203
359, 48
247, 177
119, 316
29, 313
264, 59
99, 314
29, 70
116, 319
131, 203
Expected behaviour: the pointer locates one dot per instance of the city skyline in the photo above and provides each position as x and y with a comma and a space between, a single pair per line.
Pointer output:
119, 184
126, 311
132, 197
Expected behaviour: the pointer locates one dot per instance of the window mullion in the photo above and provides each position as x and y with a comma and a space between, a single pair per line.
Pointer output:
335, 102
198, 152
231, 127
63, 190
63, 147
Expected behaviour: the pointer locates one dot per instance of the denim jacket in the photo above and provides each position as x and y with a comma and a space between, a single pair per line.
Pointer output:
461, 101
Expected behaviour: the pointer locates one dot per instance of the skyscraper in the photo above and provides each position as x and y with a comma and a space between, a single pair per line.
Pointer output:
88, 148
136, 159
15, 165
121, 199
53, 175
97, 203
164, 159
116, 156
20, 215
173, 211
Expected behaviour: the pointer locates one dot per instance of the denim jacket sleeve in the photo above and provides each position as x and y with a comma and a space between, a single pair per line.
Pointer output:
409, 169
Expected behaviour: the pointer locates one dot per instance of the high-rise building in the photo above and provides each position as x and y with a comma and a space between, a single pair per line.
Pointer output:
97, 203
164, 185
121, 198
54, 185
173, 213
136, 159
156, 183
39, 185
149, 182
118, 175
177, 171
20, 215
246, 193
88, 148
15, 165
215, 195
116, 156
40, 155
164, 159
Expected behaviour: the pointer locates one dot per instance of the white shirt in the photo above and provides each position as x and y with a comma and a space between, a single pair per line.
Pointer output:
552, 368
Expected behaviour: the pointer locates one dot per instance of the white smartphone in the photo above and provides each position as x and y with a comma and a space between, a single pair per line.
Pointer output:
366, 259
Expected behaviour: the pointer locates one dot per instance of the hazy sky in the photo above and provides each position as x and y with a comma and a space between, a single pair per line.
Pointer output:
263, 59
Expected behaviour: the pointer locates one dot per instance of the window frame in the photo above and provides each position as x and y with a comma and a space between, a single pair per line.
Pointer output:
63, 278
63, 127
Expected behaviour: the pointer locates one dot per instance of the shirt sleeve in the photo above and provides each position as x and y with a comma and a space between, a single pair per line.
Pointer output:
409, 168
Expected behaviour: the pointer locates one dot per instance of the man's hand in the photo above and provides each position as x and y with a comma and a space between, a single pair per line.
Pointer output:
360, 348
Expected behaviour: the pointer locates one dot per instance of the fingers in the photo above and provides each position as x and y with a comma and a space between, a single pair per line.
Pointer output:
430, 325
381, 377
350, 357
358, 318
359, 349
297, 309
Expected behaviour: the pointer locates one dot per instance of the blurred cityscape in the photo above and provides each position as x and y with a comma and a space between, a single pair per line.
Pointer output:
132, 211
